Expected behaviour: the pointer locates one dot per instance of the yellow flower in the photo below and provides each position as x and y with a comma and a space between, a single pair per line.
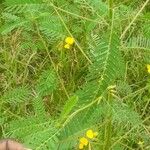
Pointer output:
67, 46
81, 146
84, 141
69, 40
90, 134
148, 68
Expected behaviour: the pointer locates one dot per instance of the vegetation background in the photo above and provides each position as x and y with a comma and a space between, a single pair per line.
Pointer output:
52, 95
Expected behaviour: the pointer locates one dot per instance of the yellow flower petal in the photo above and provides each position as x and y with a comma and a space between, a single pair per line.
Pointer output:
69, 40
148, 68
81, 146
90, 134
67, 46
84, 141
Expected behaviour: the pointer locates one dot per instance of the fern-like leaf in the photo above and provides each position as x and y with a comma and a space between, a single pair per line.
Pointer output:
37, 133
138, 43
39, 107
47, 83
107, 61
17, 95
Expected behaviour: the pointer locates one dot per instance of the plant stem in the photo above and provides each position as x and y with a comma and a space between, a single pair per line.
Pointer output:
108, 128
134, 19
110, 3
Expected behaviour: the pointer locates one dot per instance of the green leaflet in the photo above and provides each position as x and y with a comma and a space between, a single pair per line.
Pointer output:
47, 83
16, 95
39, 107
7, 28
68, 107
139, 42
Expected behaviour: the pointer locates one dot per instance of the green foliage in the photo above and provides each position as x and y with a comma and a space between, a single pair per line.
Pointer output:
99, 83
139, 43
122, 113
8, 28
47, 83
38, 133
77, 127
68, 107
39, 107
17, 95
106, 56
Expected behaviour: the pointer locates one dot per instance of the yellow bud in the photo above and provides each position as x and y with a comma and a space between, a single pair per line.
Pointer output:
81, 146
84, 141
148, 68
111, 87
90, 134
67, 46
69, 40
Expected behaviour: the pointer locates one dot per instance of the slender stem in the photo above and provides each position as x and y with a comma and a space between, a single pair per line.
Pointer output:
81, 109
110, 3
108, 127
133, 20
78, 16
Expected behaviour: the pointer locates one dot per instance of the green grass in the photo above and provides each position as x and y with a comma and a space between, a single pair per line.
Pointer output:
50, 96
